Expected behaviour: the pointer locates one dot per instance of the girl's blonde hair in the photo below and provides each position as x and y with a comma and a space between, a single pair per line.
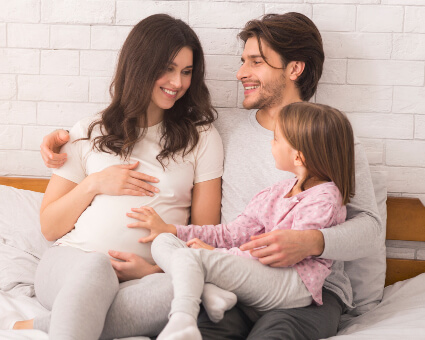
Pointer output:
325, 137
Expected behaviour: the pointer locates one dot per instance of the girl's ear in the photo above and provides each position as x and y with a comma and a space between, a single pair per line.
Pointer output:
296, 68
299, 159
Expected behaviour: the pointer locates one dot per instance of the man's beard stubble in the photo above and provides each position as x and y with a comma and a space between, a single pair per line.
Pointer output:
270, 95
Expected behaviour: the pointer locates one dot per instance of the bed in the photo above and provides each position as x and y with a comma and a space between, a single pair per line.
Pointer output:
400, 315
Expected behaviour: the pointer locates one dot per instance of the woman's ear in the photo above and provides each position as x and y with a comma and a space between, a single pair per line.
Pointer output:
296, 68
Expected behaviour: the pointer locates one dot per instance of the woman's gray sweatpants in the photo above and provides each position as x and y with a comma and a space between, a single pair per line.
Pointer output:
81, 289
254, 284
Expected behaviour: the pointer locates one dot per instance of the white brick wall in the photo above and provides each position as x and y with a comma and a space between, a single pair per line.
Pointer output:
28, 35
57, 58
380, 18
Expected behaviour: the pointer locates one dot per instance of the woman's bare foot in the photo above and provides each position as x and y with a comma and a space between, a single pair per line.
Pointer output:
26, 324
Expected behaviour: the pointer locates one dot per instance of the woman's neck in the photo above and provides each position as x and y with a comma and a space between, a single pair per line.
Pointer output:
155, 115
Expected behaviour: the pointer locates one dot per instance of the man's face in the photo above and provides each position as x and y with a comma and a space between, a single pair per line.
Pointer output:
264, 86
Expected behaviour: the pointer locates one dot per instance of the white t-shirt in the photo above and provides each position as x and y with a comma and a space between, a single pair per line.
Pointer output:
103, 225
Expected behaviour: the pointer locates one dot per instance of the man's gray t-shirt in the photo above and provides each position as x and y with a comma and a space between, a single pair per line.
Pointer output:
249, 167
248, 161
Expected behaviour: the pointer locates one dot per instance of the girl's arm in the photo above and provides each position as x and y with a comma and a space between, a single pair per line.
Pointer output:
219, 236
228, 235
206, 203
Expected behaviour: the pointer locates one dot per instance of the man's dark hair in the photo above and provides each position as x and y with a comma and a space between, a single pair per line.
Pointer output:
295, 38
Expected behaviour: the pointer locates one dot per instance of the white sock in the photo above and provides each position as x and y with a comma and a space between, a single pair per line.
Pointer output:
181, 326
216, 301
8, 319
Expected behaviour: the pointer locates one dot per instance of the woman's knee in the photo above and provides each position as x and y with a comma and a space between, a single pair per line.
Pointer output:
98, 267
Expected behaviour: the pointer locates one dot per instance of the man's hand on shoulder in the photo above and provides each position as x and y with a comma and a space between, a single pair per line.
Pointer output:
283, 248
50, 148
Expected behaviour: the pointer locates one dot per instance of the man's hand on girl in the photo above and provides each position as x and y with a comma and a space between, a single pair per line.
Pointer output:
131, 266
283, 248
149, 219
122, 179
196, 243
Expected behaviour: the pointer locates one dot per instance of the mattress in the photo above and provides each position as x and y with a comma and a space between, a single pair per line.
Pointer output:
400, 315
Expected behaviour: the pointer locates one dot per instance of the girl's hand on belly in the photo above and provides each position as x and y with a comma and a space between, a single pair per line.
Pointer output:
131, 266
149, 219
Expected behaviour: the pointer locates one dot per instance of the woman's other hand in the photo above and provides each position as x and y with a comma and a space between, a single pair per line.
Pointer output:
196, 243
50, 147
118, 180
131, 266
149, 219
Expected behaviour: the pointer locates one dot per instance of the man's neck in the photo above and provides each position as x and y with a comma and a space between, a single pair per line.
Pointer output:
266, 116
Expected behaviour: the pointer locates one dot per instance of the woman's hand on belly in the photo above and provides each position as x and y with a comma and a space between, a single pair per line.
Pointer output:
131, 266
118, 180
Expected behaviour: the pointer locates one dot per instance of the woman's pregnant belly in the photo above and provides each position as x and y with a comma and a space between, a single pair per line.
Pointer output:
103, 225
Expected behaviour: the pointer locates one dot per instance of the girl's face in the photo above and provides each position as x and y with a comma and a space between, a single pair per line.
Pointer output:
284, 154
173, 84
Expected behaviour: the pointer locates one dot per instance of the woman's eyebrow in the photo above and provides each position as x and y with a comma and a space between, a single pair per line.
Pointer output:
174, 64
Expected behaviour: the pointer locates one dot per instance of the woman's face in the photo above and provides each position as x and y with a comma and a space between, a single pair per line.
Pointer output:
173, 84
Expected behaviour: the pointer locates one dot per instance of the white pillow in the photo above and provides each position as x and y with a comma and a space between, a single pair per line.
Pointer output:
367, 275
21, 241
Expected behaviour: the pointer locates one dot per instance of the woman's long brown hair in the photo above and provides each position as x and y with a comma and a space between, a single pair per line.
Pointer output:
325, 137
149, 48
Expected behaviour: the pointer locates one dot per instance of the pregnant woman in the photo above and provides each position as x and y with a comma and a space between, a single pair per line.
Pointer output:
159, 122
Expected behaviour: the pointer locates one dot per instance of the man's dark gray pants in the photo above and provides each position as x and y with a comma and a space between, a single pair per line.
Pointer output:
312, 322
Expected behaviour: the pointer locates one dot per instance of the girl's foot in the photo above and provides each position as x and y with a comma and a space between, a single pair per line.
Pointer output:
8, 319
181, 326
216, 301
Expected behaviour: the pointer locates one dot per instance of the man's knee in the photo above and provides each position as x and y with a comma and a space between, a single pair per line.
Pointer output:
278, 324
312, 322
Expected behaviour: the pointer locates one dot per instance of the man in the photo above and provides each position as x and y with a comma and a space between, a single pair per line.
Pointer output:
282, 63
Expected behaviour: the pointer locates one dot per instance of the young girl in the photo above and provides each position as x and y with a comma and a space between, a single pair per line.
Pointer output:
159, 122
313, 141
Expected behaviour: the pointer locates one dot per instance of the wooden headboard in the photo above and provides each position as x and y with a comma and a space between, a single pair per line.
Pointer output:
33, 184
405, 221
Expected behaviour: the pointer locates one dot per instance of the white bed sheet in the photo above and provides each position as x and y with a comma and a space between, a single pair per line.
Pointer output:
29, 308
400, 315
